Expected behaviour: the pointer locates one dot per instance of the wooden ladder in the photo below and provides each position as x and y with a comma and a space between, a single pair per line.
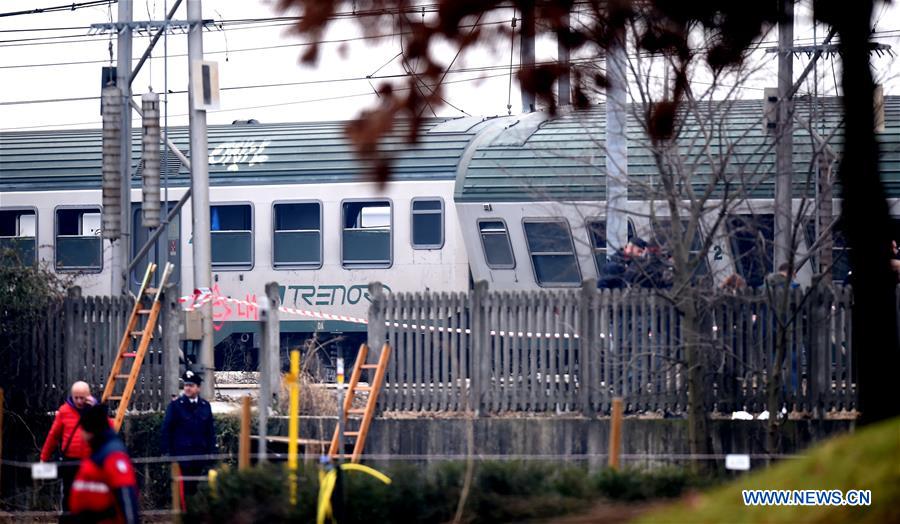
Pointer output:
126, 352
368, 412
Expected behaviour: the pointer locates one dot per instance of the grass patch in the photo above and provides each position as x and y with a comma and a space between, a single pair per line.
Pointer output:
868, 459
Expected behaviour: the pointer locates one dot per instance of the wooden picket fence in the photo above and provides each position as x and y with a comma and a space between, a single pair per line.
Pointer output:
76, 340
574, 351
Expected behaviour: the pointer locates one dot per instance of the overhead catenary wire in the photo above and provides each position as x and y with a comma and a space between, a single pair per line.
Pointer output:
52, 9
278, 104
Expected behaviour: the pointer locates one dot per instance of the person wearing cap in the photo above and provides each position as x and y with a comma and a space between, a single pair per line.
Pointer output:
188, 430
105, 487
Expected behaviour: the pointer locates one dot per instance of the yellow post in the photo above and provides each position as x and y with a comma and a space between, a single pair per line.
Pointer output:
244, 447
176, 493
294, 422
212, 475
615, 433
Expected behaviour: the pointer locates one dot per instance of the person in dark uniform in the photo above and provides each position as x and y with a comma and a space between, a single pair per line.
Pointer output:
105, 487
188, 430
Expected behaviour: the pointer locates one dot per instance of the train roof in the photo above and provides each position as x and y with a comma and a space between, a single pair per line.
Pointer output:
538, 158
239, 154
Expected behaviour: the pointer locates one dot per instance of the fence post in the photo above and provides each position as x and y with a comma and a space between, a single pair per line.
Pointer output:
269, 362
585, 345
819, 351
479, 356
375, 331
171, 313
615, 433
72, 346
244, 443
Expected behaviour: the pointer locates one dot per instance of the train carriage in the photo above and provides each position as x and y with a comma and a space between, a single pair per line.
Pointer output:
517, 201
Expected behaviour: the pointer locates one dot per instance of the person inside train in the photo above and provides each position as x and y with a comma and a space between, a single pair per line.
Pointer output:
618, 272
781, 279
653, 270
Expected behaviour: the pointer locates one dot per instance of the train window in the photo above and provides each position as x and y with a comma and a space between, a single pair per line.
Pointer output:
498, 252
366, 235
231, 235
552, 252
752, 239
79, 246
18, 235
297, 240
427, 223
597, 234
662, 233
840, 257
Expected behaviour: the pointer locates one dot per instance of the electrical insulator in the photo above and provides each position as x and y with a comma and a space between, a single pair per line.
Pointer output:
770, 110
150, 155
112, 179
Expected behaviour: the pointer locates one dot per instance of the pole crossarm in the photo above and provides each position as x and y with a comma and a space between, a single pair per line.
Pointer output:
146, 27
153, 42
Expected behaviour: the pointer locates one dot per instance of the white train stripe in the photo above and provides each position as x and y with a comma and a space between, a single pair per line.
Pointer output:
208, 297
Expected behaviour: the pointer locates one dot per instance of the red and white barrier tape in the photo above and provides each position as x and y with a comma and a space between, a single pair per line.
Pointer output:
199, 300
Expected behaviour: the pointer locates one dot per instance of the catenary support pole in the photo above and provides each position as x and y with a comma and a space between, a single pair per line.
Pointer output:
200, 237
784, 146
172, 315
616, 145
526, 52
564, 96
119, 252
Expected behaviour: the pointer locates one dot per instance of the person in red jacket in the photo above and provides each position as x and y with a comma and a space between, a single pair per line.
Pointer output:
65, 436
105, 487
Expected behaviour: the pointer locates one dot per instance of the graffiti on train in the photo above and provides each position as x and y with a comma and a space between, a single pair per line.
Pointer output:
326, 295
231, 154
223, 309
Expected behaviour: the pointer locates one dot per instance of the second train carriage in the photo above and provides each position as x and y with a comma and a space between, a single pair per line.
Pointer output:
517, 201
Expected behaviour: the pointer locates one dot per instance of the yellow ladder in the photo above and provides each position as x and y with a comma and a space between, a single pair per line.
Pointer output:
131, 335
367, 412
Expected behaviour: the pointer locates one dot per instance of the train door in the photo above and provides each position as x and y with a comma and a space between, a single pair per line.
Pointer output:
167, 248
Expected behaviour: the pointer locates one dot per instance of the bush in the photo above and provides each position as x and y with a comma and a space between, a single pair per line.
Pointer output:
501, 492
632, 485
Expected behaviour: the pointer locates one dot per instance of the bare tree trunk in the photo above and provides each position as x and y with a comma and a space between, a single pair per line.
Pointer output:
698, 430
780, 300
866, 217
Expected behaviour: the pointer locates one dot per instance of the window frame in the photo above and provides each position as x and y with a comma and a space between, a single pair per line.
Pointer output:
37, 227
508, 243
234, 267
737, 259
531, 255
369, 265
295, 265
587, 228
89, 270
413, 213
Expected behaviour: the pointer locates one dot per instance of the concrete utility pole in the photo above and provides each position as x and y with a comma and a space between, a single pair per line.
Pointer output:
526, 52
784, 147
120, 249
564, 96
616, 145
200, 193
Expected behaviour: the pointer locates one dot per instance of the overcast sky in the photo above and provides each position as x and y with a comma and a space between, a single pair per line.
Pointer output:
254, 55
